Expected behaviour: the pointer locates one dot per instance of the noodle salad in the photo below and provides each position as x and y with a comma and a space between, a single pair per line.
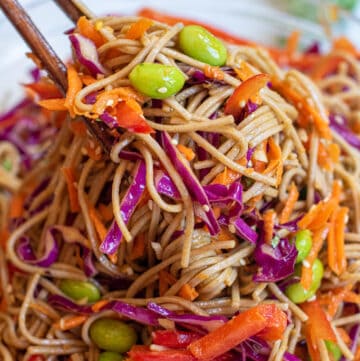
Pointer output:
223, 225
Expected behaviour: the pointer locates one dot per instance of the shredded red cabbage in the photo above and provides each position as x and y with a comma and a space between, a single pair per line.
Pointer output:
127, 207
86, 53
344, 131
275, 262
64, 304
202, 206
165, 185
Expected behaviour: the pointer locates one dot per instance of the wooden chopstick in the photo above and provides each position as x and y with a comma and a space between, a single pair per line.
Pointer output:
52, 63
72, 10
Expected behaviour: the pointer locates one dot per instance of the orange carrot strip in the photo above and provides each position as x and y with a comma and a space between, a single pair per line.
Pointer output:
106, 212
317, 243
87, 29
344, 44
138, 29
226, 177
188, 292
340, 221
68, 323
95, 218
53, 104
331, 246
275, 155
213, 72
99, 305
303, 107
70, 178
74, 86
269, 223
138, 249
186, 151
17, 205
113, 257
224, 234
87, 79
292, 43
243, 71
289, 204
44, 89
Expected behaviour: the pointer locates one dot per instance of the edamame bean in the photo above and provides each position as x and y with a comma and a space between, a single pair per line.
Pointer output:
112, 335
110, 356
198, 43
334, 349
156, 80
303, 244
78, 290
296, 291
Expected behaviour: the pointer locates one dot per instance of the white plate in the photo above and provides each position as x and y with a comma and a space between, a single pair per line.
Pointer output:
257, 21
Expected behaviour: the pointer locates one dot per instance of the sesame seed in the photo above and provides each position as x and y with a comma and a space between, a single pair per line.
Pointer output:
306, 263
206, 208
162, 90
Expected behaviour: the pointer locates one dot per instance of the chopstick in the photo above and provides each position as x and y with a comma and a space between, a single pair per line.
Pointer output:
73, 9
51, 62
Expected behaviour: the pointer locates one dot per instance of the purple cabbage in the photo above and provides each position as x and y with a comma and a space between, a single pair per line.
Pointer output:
109, 120
244, 231
138, 314
254, 349
164, 185
127, 207
208, 323
64, 304
202, 206
290, 357
86, 53
50, 255
89, 267
345, 132
354, 335
275, 262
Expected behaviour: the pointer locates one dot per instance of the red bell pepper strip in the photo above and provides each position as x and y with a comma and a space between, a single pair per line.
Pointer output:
143, 353
244, 92
174, 339
276, 322
317, 328
226, 337
128, 118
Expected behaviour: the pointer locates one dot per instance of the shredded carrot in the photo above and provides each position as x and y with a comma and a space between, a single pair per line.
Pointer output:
88, 29
289, 204
326, 65
106, 212
43, 89
113, 257
34, 59
95, 218
243, 71
138, 249
344, 44
138, 29
292, 43
57, 104
70, 178
226, 177
17, 205
213, 72
259, 166
68, 323
317, 243
269, 223
188, 292
344, 335
303, 107
96, 307
78, 127
186, 151
74, 86
87, 79
93, 151
340, 221
275, 156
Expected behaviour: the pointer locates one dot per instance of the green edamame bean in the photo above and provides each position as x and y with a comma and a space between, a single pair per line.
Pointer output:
112, 335
198, 43
156, 80
334, 349
296, 291
78, 290
110, 356
303, 244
